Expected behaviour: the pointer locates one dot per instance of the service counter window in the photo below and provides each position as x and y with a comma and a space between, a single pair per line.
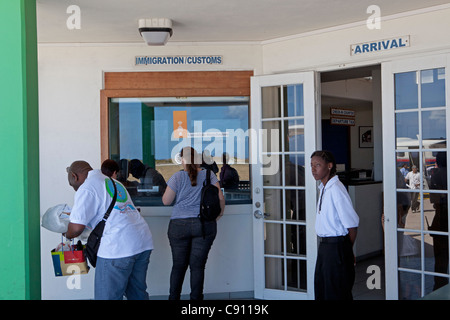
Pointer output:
146, 136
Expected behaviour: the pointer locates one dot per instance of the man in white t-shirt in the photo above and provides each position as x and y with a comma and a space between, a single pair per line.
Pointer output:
126, 244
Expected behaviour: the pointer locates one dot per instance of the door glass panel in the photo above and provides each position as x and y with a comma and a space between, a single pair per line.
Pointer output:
274, 270
271, 101
273, 204
406, 90
295, 240
295, 205
433, 282
422, 196
294, 135
409, 285
296, 270
433, 127
432, 84
403, 208
272, 170
436, 253
407, 129
293, 106
274, 239
409, 250
271, 138
295, 170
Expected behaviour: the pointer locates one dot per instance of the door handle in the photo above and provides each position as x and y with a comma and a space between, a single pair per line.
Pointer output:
259, 215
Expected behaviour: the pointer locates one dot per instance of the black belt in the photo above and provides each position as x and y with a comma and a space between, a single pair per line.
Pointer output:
333, 239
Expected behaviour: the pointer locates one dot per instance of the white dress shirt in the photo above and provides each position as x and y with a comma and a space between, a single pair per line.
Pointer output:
335, 213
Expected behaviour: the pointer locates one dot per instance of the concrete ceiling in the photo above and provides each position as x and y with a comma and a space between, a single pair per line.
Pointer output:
116, 21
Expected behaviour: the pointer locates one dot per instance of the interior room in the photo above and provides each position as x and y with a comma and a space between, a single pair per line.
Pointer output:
351, 129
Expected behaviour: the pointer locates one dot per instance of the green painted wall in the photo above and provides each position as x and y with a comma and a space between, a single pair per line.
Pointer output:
20, 269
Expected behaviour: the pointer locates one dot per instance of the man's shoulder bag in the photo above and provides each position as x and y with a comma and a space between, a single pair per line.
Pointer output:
95, 237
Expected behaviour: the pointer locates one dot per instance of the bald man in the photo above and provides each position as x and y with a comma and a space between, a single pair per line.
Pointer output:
126, 244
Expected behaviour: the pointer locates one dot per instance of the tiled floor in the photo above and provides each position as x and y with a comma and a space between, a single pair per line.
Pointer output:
360, 288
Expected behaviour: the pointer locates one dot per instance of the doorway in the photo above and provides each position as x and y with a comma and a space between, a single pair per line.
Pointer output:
351, 130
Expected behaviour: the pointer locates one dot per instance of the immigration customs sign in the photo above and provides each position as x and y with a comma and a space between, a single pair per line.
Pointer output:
379, 45
178, 60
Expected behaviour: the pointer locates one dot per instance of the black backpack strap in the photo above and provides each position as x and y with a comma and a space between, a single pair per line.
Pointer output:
208, 177
106, 216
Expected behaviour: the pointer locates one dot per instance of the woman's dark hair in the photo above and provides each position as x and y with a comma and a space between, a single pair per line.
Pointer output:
190, 156
328, 157
109, 167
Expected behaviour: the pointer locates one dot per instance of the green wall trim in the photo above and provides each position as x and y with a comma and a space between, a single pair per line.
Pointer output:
20, 272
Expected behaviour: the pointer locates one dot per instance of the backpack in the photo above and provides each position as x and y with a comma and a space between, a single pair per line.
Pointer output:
209, 201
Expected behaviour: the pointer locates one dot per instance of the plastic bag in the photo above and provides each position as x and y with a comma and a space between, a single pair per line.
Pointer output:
57, 219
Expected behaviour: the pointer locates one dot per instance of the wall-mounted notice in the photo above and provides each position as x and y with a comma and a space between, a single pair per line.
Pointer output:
342, 117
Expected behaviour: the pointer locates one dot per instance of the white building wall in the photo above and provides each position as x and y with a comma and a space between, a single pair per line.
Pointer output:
330, 48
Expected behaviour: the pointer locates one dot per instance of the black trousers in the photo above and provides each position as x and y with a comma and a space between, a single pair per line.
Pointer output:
335, 271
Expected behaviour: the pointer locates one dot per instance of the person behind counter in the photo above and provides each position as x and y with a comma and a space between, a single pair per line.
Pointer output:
336, 226
127, 243
190, 247
229, 177
148, 177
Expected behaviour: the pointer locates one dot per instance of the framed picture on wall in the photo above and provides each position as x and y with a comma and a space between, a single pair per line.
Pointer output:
365, 137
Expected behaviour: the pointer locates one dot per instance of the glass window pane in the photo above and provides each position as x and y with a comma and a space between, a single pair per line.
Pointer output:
295, 205
295, 170
271, 138
271, 165
436, 215
403, 207
407, 130
433, 127
435, 175
409, 285
296, 240
408, 210
409, 250
436, 253
293, 100
406, 91
432, 283
432, 84
402, 169
274, 273
271, 102
273, 204
294, 135
274, 236
147, 134
296, 274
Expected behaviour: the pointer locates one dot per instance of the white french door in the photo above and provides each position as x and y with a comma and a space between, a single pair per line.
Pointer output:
416, 125
283, 136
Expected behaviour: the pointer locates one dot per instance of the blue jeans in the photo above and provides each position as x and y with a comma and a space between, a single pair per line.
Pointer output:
189, 248
115, 278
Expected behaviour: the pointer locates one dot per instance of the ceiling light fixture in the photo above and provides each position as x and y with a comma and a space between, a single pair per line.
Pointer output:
155, 31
